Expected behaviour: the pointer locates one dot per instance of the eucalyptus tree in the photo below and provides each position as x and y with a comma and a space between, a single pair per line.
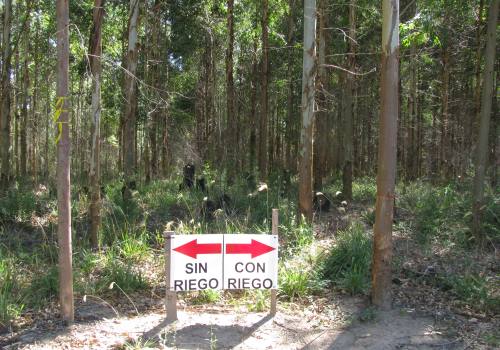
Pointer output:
264, 100
386, 169
95, 52
130, 110
63, 164
349, 108
484, 126
308, 89
6, 91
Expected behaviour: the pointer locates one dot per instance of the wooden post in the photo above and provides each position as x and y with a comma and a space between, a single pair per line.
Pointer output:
170, 296
275, 222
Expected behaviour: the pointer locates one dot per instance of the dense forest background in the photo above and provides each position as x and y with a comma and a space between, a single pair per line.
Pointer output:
190, 105
189, 115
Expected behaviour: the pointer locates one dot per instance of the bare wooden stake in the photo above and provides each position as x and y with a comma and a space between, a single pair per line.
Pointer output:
275, 222
170, 295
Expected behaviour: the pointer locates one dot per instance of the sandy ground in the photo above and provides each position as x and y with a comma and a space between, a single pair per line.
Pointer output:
231, 329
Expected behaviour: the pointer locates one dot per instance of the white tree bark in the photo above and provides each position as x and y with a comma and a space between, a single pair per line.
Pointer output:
306, 133
386, 169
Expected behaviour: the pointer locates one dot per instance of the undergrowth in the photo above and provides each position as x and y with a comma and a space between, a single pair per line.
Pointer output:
347, 264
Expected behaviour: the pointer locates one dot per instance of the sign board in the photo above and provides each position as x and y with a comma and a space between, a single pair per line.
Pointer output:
250, 261
196, 262
223, 261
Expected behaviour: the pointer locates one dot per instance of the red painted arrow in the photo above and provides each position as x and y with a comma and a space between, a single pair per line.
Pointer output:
255, 248
192, 248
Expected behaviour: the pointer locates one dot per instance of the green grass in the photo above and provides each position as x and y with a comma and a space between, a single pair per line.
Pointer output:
44, 286
131, 234
444, 213
473, 290
347, 264
207, 296
11, 303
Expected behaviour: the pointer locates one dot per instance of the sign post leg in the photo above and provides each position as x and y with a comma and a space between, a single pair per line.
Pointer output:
171, 296
275, 223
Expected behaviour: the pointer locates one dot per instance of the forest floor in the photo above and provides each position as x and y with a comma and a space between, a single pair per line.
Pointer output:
423, 317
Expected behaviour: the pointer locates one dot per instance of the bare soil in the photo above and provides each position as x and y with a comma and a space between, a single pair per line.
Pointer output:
347, 324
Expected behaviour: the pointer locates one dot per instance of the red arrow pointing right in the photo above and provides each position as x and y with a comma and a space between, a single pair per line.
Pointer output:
255, 248
192, 248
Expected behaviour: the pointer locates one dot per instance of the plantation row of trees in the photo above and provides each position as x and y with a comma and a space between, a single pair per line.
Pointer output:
136, 90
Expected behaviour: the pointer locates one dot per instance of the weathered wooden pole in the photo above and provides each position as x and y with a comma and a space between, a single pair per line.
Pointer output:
275, 223
170, 295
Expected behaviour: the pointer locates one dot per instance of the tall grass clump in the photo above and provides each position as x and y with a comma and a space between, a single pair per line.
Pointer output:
11, 304
298, 281
444, 212
347, 264
117, 270
44, 286
17, 205
364, 189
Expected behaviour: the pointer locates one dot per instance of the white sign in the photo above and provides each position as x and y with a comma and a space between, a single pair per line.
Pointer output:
196, 262
218, 261
250, 261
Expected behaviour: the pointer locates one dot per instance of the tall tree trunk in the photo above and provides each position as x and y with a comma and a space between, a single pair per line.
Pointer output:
445, 93
210, 122
35, 114
264, 93
386, 170
253, 110
63, 165
26, 103
231, 115
477, 73
411, 159
5, 108
95, 165
484, 126
306, 133
155, 73
291, 164
129, 126
321, 118
349, 115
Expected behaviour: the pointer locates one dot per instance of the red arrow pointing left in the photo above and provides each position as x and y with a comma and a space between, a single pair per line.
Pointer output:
192, 248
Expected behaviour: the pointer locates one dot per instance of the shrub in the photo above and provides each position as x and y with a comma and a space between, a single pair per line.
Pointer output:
207, 296
444, 212
474, 290
44, 286
17, 205
348, 262
293, 283
123, 275
11, 304
364, 189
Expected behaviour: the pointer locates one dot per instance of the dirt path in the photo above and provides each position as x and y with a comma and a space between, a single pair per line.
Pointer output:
231, 329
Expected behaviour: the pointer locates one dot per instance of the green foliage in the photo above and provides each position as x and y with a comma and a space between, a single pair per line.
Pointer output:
347, 265
364, 189
444, 212
123, 273
294, 283
259, 300
368, 314
11, 304
207, 296
474, 290
295, 235
17, 205
134, 249
44, 286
